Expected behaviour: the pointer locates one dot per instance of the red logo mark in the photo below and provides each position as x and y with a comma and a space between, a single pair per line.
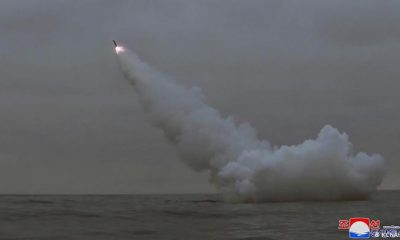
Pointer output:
344, 224
375, 224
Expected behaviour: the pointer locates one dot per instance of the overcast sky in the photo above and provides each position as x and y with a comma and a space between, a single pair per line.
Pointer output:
70, 123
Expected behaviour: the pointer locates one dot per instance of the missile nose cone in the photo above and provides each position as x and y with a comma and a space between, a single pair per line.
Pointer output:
115, 43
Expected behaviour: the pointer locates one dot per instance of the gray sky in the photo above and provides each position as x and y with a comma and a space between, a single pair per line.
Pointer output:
71, 124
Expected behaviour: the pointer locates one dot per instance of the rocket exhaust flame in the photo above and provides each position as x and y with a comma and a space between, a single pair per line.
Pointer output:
243, 167
119, 49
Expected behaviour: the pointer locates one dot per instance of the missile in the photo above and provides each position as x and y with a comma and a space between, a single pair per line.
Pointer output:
118, 48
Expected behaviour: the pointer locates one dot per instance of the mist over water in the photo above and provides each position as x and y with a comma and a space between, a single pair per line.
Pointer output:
242, 166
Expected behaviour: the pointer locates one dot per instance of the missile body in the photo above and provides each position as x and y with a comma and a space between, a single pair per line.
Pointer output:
118, 48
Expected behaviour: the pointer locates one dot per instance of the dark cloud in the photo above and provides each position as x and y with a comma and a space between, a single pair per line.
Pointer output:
70, 123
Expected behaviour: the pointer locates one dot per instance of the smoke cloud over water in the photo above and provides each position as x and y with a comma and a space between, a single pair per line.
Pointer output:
243, 167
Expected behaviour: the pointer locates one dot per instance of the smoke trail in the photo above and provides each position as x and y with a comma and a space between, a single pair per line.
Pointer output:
243, 167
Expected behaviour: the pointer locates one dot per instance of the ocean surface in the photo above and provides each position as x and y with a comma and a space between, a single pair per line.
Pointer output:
182, 217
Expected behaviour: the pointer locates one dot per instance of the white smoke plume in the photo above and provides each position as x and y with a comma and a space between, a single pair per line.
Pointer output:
243, 167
